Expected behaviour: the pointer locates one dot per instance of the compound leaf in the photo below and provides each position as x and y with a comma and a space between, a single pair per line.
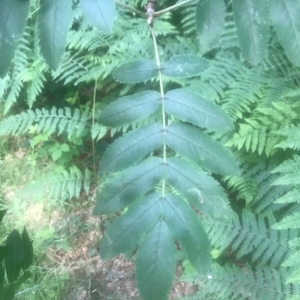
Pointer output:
13, 15
124, 233
127, 187
156, 263
286, 21
130, 109
99, 13
189, 107
187, 228
132, 147
210, 19
54, 19
183, 66
201, 148
251, 19
136, 71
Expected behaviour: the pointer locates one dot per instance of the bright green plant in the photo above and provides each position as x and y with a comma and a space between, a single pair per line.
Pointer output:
161, 177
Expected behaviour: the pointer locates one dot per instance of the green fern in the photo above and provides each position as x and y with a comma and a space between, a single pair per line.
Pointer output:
63, 185
46, 121
252, 236
232, 282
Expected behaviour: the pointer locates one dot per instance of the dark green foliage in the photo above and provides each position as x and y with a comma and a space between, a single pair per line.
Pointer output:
171, 215
17, 254
252, 28
235, 88
155, 274
284, 15
13, 14
99, 14
210, 19
54, 20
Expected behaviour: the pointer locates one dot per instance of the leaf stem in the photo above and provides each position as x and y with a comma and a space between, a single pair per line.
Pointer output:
162, 93
138, 12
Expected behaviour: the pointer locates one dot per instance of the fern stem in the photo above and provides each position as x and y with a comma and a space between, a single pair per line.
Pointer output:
162, 93
138, 12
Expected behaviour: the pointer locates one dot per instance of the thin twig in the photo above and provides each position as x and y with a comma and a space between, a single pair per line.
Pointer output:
138, 12
186, 2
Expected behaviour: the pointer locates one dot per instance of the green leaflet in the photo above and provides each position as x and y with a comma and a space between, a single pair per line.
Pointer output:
192, 108
130, 109
132, 147
54, 19
251, 19
136, 71
13, 15
200, 148
210, 20
15, 257
28, 250
124, 233
99, 13
127, 187
156, 263
201, 190
187, 228
183, 66
285, 17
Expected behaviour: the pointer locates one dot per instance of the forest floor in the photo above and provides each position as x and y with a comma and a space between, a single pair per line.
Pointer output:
65, 237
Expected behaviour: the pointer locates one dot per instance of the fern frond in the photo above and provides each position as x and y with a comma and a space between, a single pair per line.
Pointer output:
252, 235
20, 63
289, 171
258, 133
62, 185
56, 120
35, 77
231, 282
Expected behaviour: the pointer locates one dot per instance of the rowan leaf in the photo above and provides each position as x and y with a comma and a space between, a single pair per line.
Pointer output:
200, 148
156, 263
190, 107
210, 21
129, 186
125, 232
252, 27
54, 19
136, 71
130, 109
285, 17
201, 190
186, 227
184, 66
99, 13
132, 147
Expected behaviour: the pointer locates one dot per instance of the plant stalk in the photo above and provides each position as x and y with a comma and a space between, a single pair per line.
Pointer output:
162, 93
93, 124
